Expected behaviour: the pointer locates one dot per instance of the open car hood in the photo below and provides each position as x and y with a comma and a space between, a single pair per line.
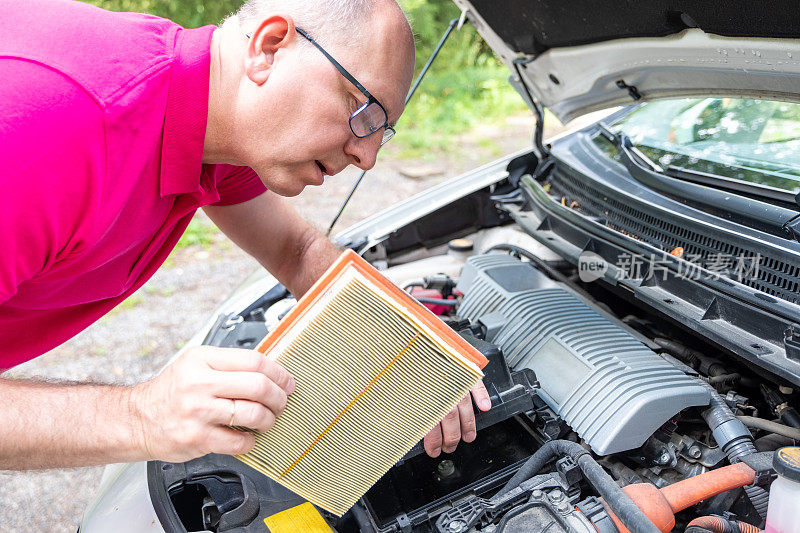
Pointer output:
586, 55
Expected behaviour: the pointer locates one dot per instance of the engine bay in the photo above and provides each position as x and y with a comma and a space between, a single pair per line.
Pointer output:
596, 401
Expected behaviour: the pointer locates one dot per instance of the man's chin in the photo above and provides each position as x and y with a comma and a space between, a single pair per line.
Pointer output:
282, 188
287, 192
290, 181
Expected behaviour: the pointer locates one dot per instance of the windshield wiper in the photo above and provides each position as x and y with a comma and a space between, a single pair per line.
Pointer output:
628, 149
764, 216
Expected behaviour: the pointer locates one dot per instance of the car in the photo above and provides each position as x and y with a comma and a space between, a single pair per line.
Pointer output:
634, 283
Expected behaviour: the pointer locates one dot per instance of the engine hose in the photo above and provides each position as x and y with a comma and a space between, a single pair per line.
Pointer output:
679, 350
717, 524
735, 440
780, 406
436, 301
791, 417
629, 514
772, 427
725, 379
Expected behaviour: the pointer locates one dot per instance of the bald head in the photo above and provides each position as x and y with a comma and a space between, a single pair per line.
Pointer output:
330, 21
279, 105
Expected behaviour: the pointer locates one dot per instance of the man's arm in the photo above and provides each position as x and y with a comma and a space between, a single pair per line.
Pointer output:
47, 425
270, 230
181, 414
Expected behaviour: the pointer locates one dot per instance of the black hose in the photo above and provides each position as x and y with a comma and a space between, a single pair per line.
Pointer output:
735, 440
631, 516
436, 301
725, 379
772, 441
362, 518
538, 261
790, 417
770, 426
729, 433
780, 406
680, 351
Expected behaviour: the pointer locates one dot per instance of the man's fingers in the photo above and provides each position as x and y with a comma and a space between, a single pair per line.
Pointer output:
451, 430
251, 386
467, 419
234, 359
247, 414
237, 360
481, 396
433, 441
229, 441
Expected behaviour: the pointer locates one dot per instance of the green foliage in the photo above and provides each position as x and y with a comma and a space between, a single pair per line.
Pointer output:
188, 13
429, 19
198, 233
466, 83
453, 101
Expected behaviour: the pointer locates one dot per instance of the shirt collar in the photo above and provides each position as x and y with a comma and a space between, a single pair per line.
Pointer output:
186, 112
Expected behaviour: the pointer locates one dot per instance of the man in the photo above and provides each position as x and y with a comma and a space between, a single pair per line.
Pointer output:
114, 129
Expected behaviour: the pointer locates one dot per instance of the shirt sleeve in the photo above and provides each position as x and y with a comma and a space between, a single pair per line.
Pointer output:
52, 160
237, 184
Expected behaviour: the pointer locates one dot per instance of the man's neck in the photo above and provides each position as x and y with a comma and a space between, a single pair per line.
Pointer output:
216, 147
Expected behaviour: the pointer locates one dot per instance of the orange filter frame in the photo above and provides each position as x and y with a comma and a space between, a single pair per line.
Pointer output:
351, 259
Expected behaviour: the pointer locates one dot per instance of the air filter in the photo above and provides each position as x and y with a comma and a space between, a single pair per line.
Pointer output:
375, 371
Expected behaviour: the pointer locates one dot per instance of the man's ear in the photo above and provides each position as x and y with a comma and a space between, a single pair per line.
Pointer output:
273, 34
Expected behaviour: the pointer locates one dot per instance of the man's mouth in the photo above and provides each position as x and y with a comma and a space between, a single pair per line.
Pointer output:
321, 167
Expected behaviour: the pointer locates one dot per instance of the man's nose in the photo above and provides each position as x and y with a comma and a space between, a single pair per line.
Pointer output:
364, 150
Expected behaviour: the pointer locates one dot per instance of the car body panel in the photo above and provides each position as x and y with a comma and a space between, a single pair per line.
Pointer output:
123, 499
674, 61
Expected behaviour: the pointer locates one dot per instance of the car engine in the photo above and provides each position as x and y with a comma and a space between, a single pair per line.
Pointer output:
595, 402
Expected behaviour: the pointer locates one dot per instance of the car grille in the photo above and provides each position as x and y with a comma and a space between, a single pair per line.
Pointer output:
773, 276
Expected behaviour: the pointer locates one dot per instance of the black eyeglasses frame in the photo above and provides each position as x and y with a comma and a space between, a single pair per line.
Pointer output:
388, 131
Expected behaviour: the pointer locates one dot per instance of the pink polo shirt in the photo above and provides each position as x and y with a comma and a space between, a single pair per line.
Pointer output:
102, 120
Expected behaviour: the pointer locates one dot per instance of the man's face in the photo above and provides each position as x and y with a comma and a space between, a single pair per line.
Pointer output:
296, 122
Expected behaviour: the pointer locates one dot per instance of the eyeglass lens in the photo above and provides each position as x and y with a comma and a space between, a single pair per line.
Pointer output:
368, 119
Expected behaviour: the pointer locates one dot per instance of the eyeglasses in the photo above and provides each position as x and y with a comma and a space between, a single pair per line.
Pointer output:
368, 118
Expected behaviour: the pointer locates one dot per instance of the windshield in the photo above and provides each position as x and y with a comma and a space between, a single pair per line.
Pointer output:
755, 141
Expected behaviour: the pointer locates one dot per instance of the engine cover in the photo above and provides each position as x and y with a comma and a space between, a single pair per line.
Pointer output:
608, 386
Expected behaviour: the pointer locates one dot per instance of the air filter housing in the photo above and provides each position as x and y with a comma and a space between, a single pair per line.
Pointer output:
375, 371
608, 386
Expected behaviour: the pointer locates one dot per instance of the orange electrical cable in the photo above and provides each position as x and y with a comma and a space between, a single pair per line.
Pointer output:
690, 491
660, 505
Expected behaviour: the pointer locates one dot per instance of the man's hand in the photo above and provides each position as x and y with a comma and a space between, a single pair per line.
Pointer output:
457, 424
185, 411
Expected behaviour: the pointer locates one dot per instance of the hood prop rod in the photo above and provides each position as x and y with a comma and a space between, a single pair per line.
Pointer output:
450, 27
538, 131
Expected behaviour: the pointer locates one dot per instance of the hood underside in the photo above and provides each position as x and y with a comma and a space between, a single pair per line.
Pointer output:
586, 55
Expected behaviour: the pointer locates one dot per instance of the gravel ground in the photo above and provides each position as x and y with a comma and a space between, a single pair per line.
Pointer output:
133, 342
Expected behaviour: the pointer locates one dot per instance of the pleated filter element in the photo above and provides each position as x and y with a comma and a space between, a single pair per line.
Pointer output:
375, 371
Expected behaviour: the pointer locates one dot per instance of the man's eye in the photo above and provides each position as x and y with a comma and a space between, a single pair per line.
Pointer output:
354, 104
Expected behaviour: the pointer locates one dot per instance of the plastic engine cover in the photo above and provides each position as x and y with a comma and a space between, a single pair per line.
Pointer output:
608, 386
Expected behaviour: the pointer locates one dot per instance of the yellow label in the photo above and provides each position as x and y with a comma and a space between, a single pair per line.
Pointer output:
303, 518
790, 456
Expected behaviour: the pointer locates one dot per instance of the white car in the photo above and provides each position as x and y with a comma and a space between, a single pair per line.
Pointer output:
635, 285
